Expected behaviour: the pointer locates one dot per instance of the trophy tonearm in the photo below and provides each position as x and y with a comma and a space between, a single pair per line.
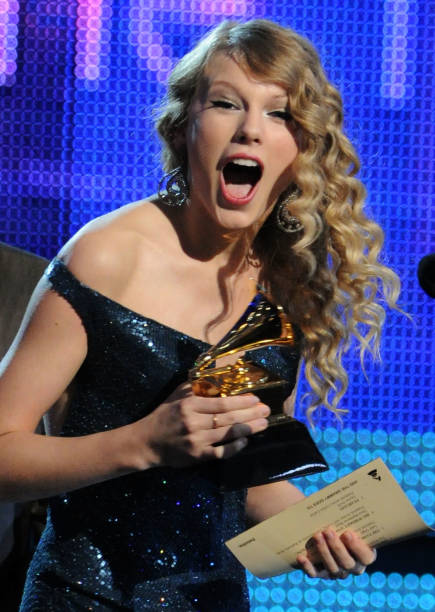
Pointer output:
262, 324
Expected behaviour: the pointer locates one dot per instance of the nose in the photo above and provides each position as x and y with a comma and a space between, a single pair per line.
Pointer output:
250, 128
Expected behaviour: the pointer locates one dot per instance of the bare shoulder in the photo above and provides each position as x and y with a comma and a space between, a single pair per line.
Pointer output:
105, 253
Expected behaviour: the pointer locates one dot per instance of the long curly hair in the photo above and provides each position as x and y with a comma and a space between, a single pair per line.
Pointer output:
328, 276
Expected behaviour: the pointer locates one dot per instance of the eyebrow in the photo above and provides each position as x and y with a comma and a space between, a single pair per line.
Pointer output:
281, 96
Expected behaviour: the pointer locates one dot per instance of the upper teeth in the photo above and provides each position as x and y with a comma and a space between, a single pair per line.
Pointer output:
242, 161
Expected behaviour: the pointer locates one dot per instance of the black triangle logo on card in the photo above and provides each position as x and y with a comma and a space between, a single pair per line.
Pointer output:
374, 474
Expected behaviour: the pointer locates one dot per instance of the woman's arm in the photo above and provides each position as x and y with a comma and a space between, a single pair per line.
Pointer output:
264, 501
40, 365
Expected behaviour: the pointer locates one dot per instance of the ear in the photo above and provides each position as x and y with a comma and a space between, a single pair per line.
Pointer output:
179, 146
179, 139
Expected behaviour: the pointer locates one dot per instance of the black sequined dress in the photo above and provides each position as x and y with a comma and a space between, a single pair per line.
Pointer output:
147, 541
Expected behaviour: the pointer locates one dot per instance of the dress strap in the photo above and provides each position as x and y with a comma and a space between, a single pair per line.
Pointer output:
78, 295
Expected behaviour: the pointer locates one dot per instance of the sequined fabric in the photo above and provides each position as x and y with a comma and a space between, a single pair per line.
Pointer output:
148, 541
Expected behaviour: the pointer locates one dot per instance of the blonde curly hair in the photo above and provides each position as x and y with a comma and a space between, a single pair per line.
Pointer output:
328, 278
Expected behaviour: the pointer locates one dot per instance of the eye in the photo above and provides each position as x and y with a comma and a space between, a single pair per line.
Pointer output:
281, 114
223, 104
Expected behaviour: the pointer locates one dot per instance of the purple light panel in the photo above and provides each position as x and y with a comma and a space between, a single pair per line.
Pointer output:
92, 40
8, 40
398, 65
93, 32
152, 52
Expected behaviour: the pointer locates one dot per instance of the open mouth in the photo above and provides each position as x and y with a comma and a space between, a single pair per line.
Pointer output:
241, 176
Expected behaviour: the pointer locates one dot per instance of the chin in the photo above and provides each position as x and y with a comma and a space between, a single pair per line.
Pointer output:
237, 222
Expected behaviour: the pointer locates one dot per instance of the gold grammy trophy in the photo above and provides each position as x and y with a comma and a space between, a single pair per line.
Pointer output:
285, 449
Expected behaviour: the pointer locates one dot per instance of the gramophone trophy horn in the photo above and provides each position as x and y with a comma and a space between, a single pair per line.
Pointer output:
285, 449
263, 324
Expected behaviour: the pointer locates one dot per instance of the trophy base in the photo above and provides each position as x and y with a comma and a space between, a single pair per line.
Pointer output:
284, 450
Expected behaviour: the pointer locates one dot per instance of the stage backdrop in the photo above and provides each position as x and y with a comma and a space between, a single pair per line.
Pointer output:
78, 83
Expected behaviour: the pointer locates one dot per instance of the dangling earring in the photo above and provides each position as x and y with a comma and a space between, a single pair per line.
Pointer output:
176, 190
284, 219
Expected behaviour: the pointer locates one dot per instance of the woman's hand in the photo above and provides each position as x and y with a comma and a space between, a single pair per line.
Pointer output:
187, 428
329, 555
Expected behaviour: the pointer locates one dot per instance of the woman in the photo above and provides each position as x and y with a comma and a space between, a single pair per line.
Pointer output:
258, 160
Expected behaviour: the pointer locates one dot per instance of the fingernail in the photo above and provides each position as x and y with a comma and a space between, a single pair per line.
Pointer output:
263, 423
253, 399
265, 410
329, 535
348, 536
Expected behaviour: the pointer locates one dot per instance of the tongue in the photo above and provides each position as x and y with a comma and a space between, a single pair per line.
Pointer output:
238, 190
239, 180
